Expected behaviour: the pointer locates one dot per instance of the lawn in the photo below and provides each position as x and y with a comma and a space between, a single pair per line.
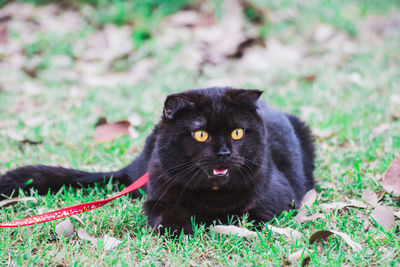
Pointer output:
335, 64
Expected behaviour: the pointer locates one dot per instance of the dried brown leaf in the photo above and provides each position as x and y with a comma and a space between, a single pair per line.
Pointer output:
309, 198
324, 234
366, 224
300, 254
3, 34
65, 229
135, 120
83, 234
12, 201
233, 230
288, 232
341, 205
310, 78
384, 216
109, 131
217, 47
323, 32
244, 232
301, 217
78, 219
397, 214
379, 130
19, 138
110, 242
391, 180
323, 134
185, 18
370, 197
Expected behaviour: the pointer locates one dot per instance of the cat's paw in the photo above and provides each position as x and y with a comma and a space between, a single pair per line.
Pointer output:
172, 227
175, 230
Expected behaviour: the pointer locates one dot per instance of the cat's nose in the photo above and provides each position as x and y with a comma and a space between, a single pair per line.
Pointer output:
224, 151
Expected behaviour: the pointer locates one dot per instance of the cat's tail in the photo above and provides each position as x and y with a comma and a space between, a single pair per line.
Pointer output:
47, 178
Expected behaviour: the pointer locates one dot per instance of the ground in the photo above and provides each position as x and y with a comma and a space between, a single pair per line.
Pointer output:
335, 64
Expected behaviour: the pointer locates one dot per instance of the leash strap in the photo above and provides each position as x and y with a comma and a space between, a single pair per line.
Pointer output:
65, 212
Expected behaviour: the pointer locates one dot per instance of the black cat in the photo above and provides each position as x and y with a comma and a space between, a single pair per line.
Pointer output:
216, 152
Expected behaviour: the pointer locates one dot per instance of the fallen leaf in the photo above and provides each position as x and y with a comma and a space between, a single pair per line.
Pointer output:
309, 78
185, 18
324, 234
366, 224
379, 130
397, 214
288, 232
135, 120
19, 138
105, 46
244, 232
109, 131
212, 39
30, 142
307, 111
391, 180
133, 133
110, 242
300, 254
15, 136
384, 216
341, 205
258, 58
323, 32
3, 34
395, 99
83, 234
78, 219
370, 197
301, 217
354, 77
309, 198
394, 117
65, 229
12, 201
233, 230
323, 134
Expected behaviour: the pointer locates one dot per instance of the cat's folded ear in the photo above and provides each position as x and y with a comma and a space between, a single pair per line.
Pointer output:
176, 103
243, 96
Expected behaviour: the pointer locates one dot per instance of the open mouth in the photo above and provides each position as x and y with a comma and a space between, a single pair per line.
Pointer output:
220, 171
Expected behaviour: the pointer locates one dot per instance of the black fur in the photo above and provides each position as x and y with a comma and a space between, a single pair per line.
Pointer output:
269, 169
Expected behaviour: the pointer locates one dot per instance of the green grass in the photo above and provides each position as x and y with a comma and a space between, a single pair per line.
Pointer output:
64, 111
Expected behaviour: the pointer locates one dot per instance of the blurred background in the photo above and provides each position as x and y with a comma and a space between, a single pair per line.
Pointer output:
65, 64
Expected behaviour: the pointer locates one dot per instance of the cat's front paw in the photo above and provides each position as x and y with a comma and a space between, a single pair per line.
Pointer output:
172, 219
171, 226
174, 229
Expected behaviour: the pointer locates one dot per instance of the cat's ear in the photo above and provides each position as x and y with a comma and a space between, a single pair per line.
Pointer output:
174, 104
242, 96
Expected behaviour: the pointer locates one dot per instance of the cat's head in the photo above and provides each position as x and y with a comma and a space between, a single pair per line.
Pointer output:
210, 138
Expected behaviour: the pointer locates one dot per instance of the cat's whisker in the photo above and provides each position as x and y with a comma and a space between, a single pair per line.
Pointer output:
170, 183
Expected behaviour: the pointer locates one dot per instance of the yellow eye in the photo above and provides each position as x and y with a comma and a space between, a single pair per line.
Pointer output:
200, 135
237, 134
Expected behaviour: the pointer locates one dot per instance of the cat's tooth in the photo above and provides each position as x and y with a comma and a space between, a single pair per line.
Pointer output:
220, 173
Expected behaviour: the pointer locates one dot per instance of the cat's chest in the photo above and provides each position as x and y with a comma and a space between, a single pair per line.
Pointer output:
210, 203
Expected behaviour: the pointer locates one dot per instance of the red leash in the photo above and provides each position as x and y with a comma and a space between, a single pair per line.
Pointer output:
62, 213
